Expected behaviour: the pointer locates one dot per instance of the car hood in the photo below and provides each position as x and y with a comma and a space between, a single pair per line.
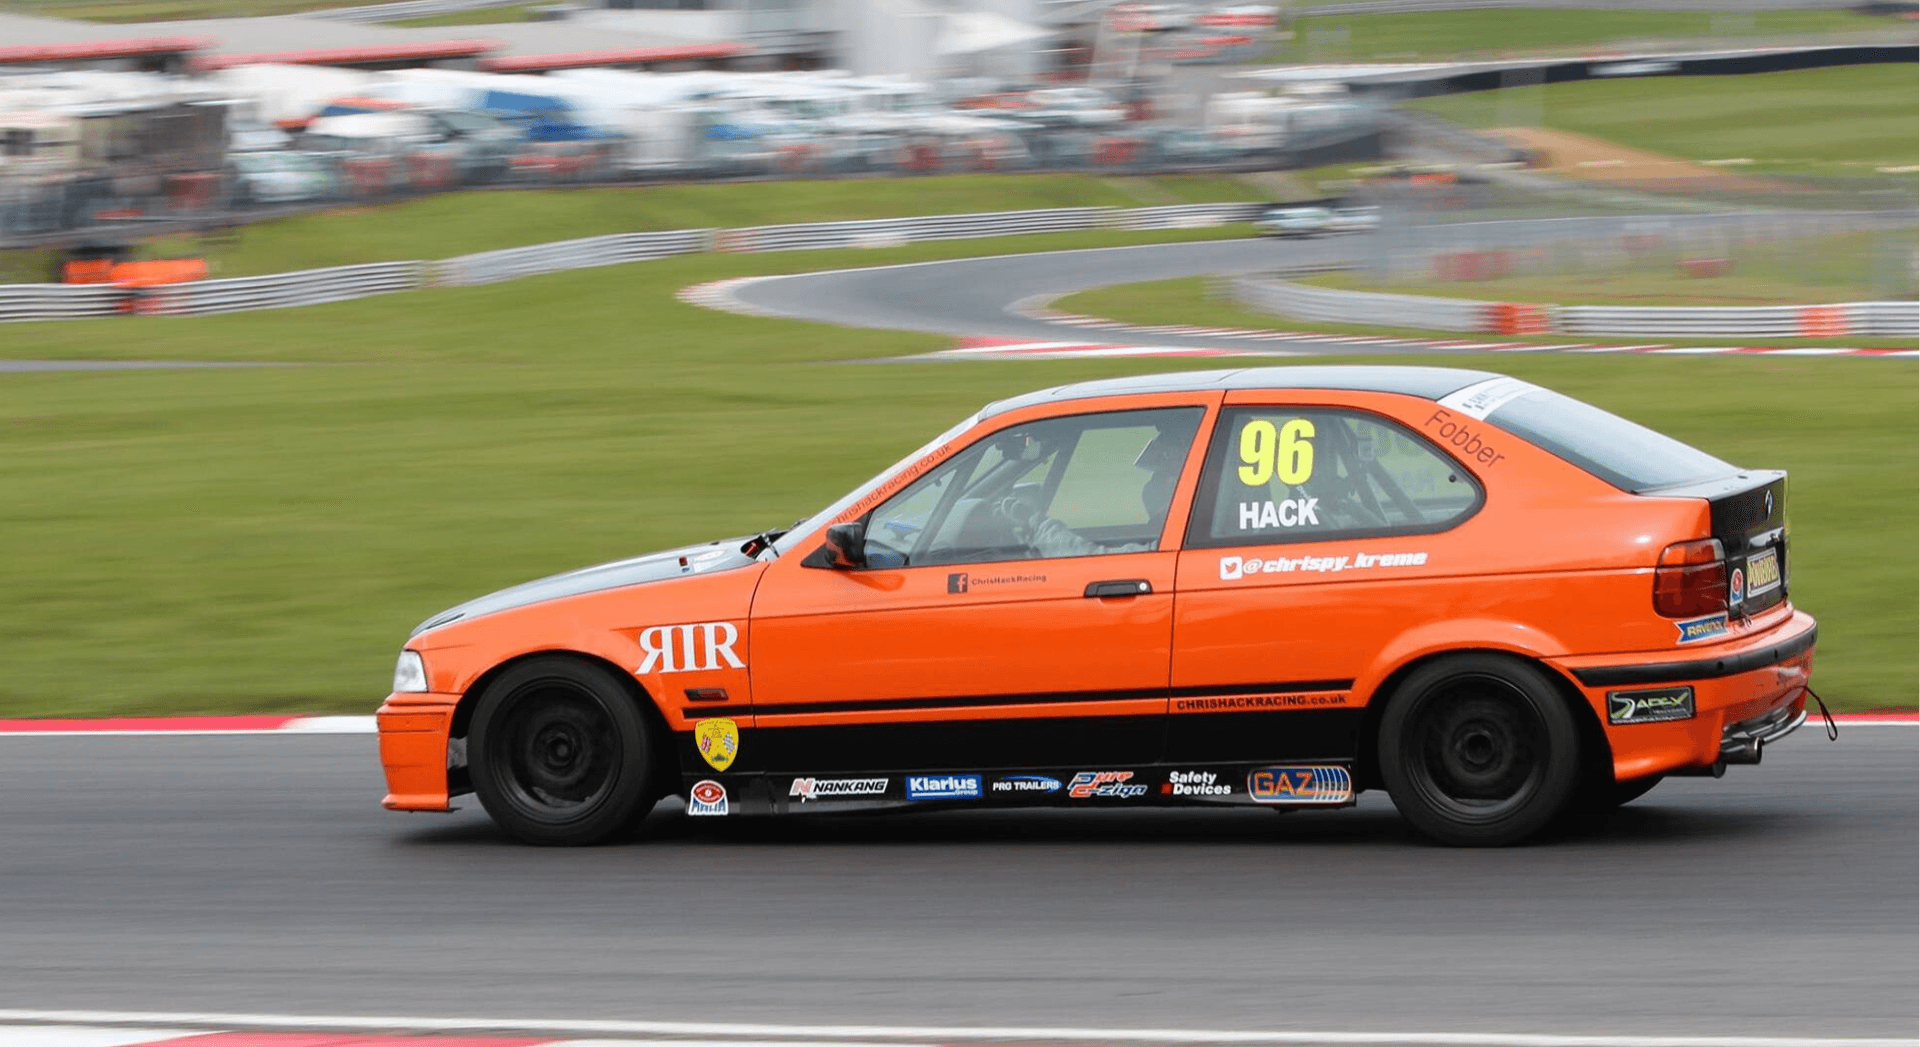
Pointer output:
707, 558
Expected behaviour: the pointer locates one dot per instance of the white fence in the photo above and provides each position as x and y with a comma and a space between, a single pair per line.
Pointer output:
1190, 216
512, 263
1327, 305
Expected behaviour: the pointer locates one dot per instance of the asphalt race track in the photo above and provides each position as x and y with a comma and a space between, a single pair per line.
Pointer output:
259, 873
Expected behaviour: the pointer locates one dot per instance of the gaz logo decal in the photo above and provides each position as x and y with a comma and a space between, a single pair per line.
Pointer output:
1303, 785
1267, 452
707, 798
718, 742
688, 648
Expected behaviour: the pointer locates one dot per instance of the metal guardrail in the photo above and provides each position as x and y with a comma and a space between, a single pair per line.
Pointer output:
58, 301
514, 262
892, 232
1328, 305
280, 290
1190, 216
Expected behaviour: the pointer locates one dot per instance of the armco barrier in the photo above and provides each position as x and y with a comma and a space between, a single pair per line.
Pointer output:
58, 301
888, 232
492, 266
1190, 216
1327, 305
280, 290
313, 286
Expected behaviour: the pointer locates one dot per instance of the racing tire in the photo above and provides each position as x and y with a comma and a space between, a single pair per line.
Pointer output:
1479, 750
560, 753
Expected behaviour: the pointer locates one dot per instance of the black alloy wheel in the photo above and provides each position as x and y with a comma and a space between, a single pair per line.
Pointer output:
559, 753
1479, 750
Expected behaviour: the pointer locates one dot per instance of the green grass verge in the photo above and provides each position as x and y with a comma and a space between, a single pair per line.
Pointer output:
164, 10
461, 223
482, 16
262, 539
1444, 34
1847, 120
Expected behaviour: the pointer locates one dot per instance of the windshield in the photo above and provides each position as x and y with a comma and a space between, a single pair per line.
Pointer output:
805, 528
1627, 455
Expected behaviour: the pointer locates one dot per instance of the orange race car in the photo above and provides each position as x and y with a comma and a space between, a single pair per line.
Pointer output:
1274, 586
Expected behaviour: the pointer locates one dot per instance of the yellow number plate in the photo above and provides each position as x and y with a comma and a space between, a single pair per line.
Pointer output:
1763, 573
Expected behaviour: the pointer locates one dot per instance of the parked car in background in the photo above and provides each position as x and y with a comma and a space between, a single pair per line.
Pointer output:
1294, 221
1360, 219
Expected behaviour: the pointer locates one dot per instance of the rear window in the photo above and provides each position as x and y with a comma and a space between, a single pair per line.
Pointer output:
1625, 454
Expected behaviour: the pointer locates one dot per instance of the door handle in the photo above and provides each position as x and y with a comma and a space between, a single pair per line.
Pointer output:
1118, 587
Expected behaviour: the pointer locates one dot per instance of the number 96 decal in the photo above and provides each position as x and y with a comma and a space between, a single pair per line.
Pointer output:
1267, 452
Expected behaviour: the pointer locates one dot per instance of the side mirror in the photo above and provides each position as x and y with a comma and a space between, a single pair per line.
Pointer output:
847, 545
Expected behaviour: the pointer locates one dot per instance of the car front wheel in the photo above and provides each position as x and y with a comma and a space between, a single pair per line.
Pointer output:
559, 753
1479, 750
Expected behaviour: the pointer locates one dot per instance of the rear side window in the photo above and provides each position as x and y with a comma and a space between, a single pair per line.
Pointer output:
1284, 474
1625, 454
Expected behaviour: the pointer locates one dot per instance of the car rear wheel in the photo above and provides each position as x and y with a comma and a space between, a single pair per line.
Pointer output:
560, 753
1479, 750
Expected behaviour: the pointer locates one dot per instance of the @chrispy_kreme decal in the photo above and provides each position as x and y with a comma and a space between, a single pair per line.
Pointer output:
718, 742
1235, 567
1323, 784
707, 797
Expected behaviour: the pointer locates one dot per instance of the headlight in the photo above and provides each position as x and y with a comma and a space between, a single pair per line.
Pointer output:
410, 672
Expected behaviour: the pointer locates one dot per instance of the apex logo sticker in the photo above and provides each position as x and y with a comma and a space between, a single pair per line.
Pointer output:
1327, 785
1669, 703
718, 742
697, 647
707, 798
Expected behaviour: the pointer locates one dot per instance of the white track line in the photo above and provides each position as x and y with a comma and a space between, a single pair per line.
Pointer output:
86, 1036
816, 1034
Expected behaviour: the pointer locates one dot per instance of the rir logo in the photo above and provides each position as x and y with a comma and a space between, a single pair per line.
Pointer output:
1305, 785
957, 582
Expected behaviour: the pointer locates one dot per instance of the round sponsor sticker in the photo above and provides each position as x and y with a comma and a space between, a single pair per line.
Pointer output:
708, 792
1737, 585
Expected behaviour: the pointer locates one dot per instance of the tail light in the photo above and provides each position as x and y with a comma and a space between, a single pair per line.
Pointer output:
1691, 579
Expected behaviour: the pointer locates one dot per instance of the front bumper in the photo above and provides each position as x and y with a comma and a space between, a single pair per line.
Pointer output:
1744, 695
414, 733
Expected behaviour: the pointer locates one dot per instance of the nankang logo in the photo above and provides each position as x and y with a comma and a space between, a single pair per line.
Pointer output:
826, 788
943, 787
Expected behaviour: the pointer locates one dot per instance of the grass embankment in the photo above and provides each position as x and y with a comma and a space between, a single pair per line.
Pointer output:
186, 541
461, 223
165, 10
482, 16
1449, 34
1848, 120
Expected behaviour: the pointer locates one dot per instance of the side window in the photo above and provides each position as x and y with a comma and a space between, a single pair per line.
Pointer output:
1277, 474
1086, 485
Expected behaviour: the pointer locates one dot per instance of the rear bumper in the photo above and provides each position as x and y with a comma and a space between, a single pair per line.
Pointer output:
1738, 697
414, 730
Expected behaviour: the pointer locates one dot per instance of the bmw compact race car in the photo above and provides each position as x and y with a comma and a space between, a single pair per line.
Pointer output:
1264, 587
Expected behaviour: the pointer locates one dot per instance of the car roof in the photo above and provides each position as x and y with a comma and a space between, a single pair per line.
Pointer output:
1430, 383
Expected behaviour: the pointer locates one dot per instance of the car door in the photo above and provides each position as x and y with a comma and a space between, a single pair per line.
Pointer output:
1015, 608
1316, 532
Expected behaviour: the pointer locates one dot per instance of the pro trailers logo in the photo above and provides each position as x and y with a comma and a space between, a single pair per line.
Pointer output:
828, 788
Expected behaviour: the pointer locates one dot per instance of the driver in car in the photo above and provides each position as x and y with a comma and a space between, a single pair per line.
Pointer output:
1162, 458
